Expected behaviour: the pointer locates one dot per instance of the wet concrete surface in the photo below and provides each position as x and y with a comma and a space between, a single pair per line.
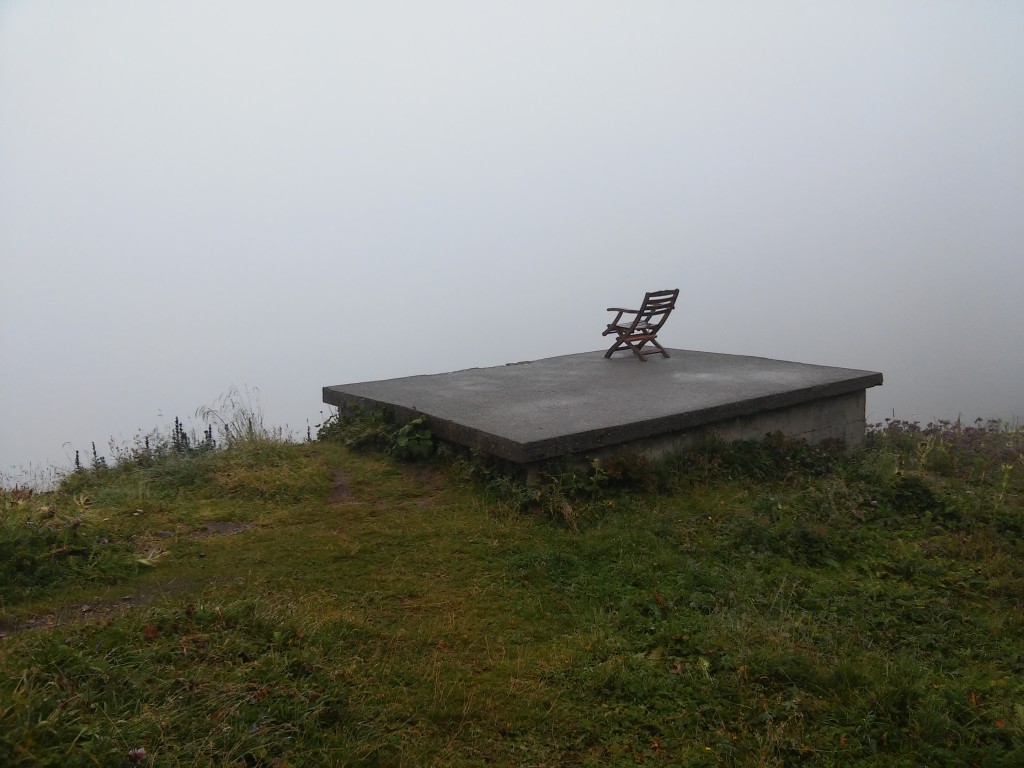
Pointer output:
557, 406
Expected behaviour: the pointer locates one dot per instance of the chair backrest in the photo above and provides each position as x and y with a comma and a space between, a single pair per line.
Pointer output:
657, 306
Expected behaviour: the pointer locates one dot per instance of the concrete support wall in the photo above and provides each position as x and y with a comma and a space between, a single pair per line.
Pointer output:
840, 417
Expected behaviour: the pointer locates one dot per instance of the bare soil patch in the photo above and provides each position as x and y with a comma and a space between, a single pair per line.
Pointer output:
341, 489
222, 528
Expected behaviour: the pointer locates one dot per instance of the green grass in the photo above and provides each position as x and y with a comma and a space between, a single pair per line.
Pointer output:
307, 604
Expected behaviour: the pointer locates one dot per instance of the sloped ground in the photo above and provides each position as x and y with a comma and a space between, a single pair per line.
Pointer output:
277, 604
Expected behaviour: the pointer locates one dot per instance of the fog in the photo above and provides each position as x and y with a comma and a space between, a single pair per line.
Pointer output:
282, 196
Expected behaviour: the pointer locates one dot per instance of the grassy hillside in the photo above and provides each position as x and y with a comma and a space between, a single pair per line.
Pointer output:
268, 603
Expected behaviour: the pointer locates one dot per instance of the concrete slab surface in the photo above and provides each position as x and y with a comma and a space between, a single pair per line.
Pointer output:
531, 411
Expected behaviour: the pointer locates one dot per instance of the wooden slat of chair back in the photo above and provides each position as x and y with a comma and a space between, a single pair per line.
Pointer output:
658, 303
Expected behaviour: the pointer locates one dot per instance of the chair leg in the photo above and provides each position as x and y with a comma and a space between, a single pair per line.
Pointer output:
660, 348
637, 352
614, 347
637, 349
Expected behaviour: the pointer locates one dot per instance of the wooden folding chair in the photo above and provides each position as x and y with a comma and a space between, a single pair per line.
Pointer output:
635, 333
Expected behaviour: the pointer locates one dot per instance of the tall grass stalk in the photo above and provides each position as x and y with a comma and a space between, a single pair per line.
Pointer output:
238, 415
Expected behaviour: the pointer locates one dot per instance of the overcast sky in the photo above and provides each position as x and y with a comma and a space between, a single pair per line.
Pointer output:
287, 195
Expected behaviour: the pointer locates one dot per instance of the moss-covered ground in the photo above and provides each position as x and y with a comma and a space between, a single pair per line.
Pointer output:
283, 604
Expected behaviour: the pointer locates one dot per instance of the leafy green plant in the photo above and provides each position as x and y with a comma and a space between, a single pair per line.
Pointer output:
358, 429
374, 430
412, 441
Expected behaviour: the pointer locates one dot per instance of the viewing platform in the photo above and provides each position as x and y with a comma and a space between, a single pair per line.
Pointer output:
585, 405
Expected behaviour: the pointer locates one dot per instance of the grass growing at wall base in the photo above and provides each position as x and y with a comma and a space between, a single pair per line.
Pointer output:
754, 604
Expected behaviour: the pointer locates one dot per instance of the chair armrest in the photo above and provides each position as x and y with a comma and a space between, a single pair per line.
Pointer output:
614, 326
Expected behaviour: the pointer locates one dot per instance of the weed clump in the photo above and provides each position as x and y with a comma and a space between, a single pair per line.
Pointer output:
775, 458
569, 493
375, 430
43, 547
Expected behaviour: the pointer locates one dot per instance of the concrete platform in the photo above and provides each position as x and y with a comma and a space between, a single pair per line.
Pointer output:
586, 405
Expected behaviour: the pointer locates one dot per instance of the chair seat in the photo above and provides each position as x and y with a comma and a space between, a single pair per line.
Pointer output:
643, 325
